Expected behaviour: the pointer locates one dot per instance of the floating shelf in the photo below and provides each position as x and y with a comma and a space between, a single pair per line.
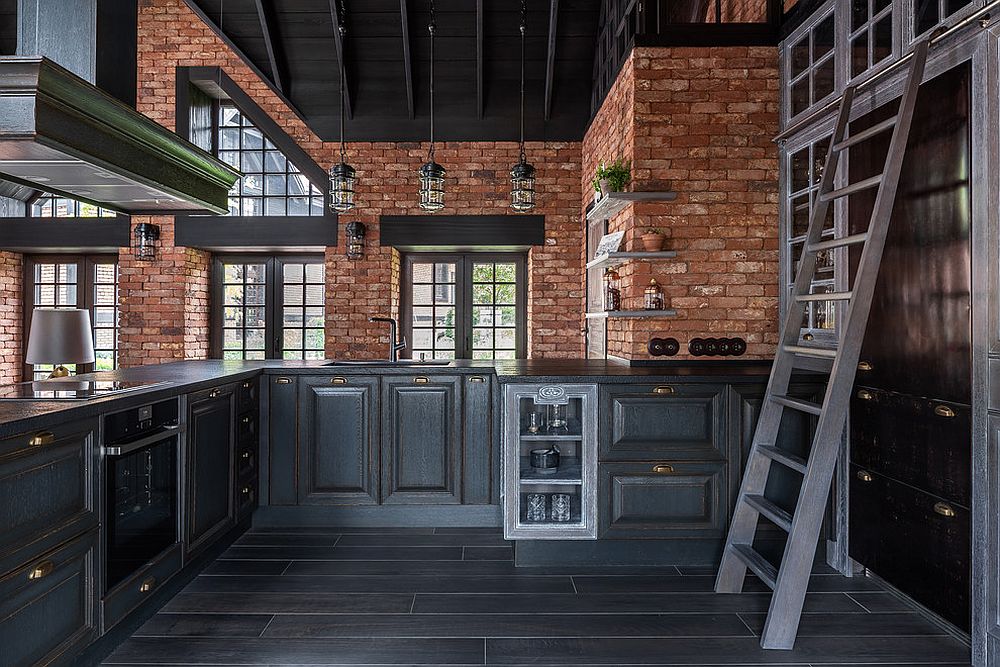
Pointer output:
614, 259
613, 202
637, 314
569, 472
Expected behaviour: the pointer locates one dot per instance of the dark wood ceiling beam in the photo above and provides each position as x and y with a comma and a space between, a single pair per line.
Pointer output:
340, 46
550, 58
275, 55
480, 83
407, 58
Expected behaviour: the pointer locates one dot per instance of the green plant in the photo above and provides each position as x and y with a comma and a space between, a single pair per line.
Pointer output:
618, 174
654, 230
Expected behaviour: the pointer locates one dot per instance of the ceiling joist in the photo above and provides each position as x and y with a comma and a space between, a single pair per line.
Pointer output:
341, 47
550, 58
275, 56
480, 83
407, 57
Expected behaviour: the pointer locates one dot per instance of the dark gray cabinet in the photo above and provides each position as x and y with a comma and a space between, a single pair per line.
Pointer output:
338, 440
247, 446
209, 467
480, 472
421, 440
282, 441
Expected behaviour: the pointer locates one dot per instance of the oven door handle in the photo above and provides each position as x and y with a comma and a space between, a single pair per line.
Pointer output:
168, 431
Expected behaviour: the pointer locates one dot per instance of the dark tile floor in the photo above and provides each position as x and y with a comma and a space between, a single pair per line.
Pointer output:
427, 596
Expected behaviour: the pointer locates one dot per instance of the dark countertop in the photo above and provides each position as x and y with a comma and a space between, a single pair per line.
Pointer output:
187, 376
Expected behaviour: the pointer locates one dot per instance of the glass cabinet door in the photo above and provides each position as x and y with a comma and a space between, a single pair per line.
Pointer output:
550, 462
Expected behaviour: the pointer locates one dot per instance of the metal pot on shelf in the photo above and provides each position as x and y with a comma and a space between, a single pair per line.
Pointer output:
545, 461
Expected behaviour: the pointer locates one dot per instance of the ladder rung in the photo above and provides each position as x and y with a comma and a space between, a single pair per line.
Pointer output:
818, 352
866, 184
757, 564
853, 239
796, 463
824, 296
798, 404
775, 514
855, 139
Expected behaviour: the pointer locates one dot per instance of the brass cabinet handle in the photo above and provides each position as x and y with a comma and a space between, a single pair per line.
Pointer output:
338, 380
246, 490
214, 393
42, 438
41, 570
663, 390
420, 379
147, 584
663, 468
944, 509
477, 378
808, 336
246, 385
283, 381
865, 395
245, 455
246, 420
943, 411
865, 365
864, 476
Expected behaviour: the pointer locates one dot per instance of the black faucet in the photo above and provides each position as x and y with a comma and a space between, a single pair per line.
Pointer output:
394, 345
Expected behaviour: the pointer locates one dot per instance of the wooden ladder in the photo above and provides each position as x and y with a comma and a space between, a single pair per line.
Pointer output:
790, 579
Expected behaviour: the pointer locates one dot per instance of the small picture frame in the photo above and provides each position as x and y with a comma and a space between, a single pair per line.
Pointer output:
609, 244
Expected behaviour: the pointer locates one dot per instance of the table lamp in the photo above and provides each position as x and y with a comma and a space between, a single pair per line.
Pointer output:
60, 336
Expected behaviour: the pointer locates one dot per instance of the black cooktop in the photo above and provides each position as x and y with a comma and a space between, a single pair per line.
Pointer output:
68, 390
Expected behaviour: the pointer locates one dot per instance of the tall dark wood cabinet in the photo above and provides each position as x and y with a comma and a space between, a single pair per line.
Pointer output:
210, 469
910, 413
282, 439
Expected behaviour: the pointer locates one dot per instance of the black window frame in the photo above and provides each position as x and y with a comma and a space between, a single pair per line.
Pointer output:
463, 296
273, 297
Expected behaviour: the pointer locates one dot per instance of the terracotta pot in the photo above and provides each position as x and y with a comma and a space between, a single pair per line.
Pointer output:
604, 187
653, 242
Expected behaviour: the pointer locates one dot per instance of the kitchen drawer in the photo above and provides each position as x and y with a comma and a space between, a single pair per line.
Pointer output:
46, 493
246, 460
248, 395
120, 601
246, 428
662, 499
47, 606
903, 535
926, 444
674, 422
246, 497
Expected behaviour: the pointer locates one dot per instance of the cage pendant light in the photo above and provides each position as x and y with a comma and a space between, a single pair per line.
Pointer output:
522, 174
342, 176
432, 174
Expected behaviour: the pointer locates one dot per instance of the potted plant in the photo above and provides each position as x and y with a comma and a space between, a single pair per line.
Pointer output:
652, 240
612, 177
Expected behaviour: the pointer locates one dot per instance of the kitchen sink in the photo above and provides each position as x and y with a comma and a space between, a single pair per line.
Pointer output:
384, 363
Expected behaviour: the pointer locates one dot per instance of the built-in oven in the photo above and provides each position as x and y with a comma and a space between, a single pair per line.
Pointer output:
141, 449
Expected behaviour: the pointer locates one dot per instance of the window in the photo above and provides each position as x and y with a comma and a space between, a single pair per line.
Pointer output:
468, 306
271, 184
928, 14
75, 281
871, 37
53, 206
811, 63
268, 307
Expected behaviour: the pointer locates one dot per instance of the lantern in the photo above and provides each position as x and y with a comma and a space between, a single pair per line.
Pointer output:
342, 187
144, 238
522, 186
432, 186
654, 296
355, 240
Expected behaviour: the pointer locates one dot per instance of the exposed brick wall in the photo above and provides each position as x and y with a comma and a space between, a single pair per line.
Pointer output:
11, 309
701, 124
170, 35
739, 11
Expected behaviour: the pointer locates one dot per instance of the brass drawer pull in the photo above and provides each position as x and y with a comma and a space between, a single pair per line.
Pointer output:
420, 379
148, 584
338, 380
864, 476
944, 509
246, 490
214, 393
41, 570
663, 390
808, 336
477, 378
865, 365
663, 469
246, 385
283, 381
42, 438
246, 420
865, 395
245, 455
943, 411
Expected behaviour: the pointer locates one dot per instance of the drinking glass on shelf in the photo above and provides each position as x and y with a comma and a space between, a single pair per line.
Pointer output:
557, 419
535, 421
536, 507
560, 507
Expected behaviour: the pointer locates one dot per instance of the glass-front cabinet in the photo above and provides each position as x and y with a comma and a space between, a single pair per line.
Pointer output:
550, 461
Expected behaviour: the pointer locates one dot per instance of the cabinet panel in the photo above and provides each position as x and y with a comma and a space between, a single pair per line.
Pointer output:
248, 395
663, 500
282, 439
338, 440
480, 471
643, 422
210, 468
421, 440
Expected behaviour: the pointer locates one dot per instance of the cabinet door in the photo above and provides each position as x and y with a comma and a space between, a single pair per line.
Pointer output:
646, 422
421, 440
663, 500
210, 465
338, 440
282, 440
481, 467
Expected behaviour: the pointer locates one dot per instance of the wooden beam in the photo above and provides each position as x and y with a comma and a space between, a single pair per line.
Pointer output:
340, 46
275, 56
550, 59
404, 17
480, 38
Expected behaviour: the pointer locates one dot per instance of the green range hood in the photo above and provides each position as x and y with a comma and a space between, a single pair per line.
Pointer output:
61, 134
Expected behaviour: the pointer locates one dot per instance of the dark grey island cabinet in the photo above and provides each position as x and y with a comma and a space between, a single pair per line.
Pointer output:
210, 466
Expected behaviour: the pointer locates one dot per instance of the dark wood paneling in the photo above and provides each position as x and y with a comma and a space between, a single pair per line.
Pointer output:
209, 469
480, 456
64, 235
461, 232
338, 441
257, 233
117, 48
282, 439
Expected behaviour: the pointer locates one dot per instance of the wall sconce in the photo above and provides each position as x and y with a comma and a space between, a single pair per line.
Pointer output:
355, 240
144, 238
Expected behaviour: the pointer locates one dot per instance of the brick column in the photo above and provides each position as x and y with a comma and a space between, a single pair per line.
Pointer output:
11, 309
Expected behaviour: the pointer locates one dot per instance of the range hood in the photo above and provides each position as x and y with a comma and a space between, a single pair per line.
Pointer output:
61, 134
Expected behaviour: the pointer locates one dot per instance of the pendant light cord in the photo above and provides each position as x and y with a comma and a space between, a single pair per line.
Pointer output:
343, 79
430, 28
524, 27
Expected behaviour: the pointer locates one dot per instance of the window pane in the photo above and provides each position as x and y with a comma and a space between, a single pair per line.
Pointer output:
303, 294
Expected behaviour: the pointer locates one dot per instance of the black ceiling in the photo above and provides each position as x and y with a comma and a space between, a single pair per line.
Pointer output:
302, 62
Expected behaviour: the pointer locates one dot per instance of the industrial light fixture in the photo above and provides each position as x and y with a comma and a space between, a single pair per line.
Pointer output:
144, 238
342, 176
432, 174
522, 174
355, 240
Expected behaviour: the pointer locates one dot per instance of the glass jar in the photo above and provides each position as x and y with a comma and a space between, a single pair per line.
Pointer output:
612, 291
654, 296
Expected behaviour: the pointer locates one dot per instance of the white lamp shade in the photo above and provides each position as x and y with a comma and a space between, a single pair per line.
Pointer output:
60, 336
